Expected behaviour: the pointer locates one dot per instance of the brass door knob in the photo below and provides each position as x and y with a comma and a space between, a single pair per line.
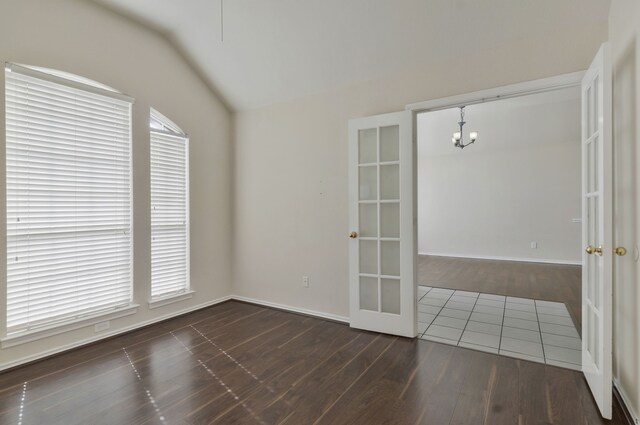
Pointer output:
353, 235
621, 251
593, 250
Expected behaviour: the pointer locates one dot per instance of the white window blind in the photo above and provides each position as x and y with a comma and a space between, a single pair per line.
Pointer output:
169, 208
68, 169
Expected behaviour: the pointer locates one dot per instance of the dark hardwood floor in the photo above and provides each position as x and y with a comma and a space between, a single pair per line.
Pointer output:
549, 282
241, 363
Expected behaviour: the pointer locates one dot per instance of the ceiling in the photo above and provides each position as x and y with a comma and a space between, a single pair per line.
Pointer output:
276, 50
521, 122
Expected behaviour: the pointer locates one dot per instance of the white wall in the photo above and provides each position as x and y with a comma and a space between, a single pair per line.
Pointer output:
624, 33
519, 183
290, 183
84, 39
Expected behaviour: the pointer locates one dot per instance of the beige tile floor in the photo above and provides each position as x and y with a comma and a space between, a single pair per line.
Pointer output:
540, 331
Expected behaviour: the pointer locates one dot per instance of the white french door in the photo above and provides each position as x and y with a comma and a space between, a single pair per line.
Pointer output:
597, 271
381, 219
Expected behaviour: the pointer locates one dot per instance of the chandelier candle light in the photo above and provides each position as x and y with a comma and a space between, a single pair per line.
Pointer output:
458, 139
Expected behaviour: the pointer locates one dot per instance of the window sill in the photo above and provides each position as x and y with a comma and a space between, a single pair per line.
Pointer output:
159, 302
44, 332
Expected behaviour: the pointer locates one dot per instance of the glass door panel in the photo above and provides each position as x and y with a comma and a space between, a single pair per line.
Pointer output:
390, 258
368, 293
389, 143
368, 146
390, 220
368, 220
390, 296
368, 257
368, 183
390, 182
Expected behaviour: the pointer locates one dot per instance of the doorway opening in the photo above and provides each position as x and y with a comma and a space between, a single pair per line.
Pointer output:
383, 216
499, 227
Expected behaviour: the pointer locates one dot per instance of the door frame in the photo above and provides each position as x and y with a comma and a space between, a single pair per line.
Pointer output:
542, 85
493, 94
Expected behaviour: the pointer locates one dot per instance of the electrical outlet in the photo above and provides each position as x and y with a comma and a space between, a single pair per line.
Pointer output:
102, 326
305, 281
534, 245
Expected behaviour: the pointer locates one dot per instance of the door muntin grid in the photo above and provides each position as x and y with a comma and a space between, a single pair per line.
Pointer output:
379, 219
593, 209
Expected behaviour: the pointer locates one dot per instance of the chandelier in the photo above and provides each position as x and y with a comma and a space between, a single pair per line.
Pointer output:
458, 136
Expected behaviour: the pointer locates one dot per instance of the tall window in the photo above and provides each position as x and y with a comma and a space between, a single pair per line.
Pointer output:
68, 164
169, 208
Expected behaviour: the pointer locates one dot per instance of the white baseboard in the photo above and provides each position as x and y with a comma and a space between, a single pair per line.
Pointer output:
293, 309
625, 399
105, 335
490, 257
101, 336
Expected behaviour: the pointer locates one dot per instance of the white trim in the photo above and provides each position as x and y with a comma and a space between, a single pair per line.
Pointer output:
499, 258
158, 116
126, 329
31, 335
170, 299
168, 133
187, 174
19, 69
314, 313
626, 400
513, 90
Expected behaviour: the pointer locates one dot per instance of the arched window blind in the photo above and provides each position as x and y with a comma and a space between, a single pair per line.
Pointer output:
68, 170
169, 208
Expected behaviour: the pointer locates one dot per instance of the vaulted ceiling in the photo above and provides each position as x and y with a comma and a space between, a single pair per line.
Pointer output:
258, 52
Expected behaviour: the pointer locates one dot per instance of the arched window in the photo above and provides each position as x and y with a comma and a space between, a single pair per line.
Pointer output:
68, 172
169, 210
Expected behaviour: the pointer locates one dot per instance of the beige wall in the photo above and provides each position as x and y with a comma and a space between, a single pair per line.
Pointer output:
290, 170
624, 34
520, 183
84, 39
